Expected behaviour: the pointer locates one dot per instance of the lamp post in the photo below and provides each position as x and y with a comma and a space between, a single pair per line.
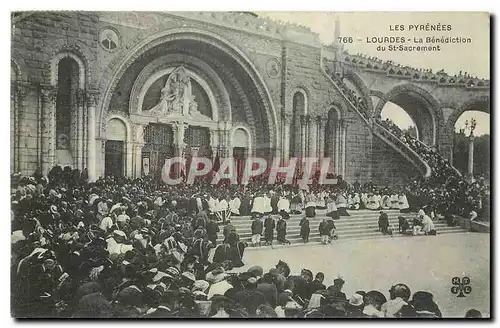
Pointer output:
469, 130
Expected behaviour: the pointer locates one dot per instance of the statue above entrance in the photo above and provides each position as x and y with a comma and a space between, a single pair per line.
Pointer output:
177, 98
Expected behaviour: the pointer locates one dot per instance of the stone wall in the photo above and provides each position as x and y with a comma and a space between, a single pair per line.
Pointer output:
38, 38
388, 166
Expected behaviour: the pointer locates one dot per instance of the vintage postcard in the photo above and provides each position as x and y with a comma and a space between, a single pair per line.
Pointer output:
250, 164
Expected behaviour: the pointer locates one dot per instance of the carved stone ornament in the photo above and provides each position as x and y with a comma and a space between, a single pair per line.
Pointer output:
177, 98
273, 68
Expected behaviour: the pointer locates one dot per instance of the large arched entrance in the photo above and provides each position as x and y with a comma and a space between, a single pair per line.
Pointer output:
420, 106
219, 88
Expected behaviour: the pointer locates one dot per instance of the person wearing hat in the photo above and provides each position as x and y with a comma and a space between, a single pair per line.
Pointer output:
316, 284
373, 303
424, 305
355, 306
400, 294
250, 298
267, 286
335, 290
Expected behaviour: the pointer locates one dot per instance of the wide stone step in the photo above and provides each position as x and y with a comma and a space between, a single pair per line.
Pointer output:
358, 232
317, 221
317, 241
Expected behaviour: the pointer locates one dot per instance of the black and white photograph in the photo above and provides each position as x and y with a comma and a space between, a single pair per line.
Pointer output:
250, 164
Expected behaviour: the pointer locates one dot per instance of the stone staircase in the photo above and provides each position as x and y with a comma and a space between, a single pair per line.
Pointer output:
362, 224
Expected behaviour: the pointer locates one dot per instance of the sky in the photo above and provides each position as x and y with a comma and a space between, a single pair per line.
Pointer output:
473, 58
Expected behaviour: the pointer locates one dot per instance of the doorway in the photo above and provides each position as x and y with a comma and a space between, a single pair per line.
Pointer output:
114, 159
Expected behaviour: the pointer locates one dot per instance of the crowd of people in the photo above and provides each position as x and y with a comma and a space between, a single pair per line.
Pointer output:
389, 65
446, 192
132, 248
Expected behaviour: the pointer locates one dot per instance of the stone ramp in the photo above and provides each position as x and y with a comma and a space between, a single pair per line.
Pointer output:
361, 224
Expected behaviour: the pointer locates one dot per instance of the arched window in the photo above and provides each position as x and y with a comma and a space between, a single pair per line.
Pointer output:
66, 106
299, 109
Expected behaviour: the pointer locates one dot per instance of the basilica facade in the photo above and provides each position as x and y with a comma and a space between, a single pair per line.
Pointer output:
117, 93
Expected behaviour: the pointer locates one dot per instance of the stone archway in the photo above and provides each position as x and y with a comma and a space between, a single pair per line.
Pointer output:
481, 103
360, 85
263, 108
421, 106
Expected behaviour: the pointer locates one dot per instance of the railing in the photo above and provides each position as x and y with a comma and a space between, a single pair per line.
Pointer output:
432, 150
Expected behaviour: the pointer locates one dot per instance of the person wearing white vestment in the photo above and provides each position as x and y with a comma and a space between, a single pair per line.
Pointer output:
320, 200
234, 205
331, 207
310, 201
354, 202
212, 205
364, 200
284, 207
258, 206
386, 202
223, 209
342, 205
394, 201
267, 204
372, 203
404, 207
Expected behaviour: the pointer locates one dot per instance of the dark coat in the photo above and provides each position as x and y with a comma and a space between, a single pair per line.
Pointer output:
257, 227
269, 226
304, 227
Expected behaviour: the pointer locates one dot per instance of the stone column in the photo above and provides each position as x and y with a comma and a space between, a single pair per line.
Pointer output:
313, 137
228, 145
214, 142
344, 137
179, 142
14, 129
138, 143
21, 136
80, 127
471, 158
287, 121
48, 153
337, 146
91, 142
303, 131
321, 121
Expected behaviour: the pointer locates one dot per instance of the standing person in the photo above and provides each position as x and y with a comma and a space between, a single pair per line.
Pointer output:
228, 229
304, 229
257, 227
269, 226
281, 231
324, 231
212, 230
383, 222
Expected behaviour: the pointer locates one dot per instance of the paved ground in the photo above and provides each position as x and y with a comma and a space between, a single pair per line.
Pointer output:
424, 263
